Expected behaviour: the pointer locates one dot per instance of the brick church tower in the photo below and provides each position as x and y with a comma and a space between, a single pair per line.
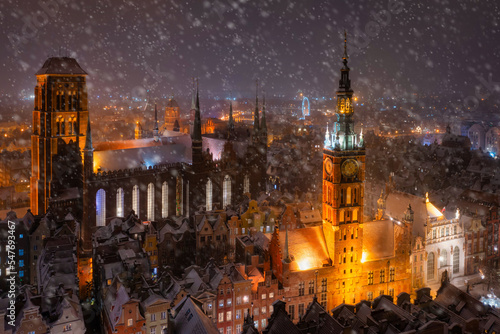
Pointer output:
343, 191
60, 118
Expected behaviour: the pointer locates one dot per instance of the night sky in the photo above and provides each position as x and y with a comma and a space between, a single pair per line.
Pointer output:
128, 46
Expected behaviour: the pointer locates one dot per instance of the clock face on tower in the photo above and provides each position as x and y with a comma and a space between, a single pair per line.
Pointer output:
328, 166
349, 168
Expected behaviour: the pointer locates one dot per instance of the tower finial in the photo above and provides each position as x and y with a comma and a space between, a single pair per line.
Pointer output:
193, 101
197, 116
88, 137
345, 56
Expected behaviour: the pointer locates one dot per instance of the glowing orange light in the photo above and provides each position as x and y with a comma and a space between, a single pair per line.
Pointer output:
363, 257
304, 264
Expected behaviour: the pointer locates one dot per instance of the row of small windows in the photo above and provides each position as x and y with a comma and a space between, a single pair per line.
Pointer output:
61, 125
369, 295
392, 276
442, 232
348, 196
67, 100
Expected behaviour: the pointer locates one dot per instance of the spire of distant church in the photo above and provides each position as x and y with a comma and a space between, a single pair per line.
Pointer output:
263, 124
88, 137
193, 101
197, 117
345, 82
256, 125
287, 254
230, 126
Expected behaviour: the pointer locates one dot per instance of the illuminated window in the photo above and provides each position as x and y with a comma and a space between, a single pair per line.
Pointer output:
151, 201
355, 215
228, 316
370, 296
226, 197
324, 285
58, 125
370, 277
130, 322
348, 196
311, 287
135, 199
100, 207
341, 216
72, 125
392, 274
430, 266
456, 260
209, 195
119, 202
164, 200
323, 300
221, 316
301, 288
246, 184
443, 257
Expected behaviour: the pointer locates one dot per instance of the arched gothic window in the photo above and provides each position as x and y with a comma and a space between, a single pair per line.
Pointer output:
164, 200
246, 184
456, 260
430, 266
209, 195
151, 202
119, 202
100, 207
226, 196
135, 199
